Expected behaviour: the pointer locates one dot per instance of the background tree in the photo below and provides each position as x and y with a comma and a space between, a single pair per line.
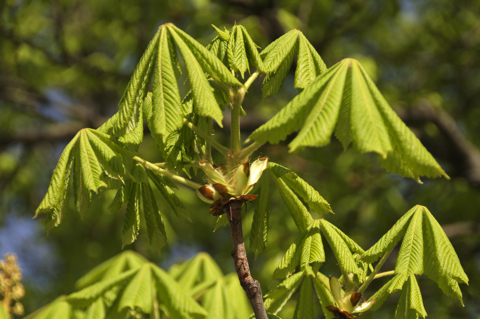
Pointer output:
66, 64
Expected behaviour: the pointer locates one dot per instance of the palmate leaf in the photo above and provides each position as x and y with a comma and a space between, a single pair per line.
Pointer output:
131, 225
410, 305
216, 301
242, 51
259, 230
279, 57
393, 285
314, 200
304, 307
346, 98
93, 158
136, 293
306, 251
153, 219
238, 300
114, 266
425, 249
323, 293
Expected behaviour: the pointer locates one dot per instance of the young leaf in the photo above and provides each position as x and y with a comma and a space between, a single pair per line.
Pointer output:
323, 294
237, 52
306, 250
272, 83
340, 248
345, 94
390, 239
127, 260
238, 300
410, 258
217, 303
58, 309
259, 231
324, 96
153, 219
299, 212
304, 307
314, 200
276, 53
174, 298
166, 102
278, 297
97, 310
169, 195
206, 59
410, 305
138, 291
129, 107
131, 226
309, 64
223, 221
252, 52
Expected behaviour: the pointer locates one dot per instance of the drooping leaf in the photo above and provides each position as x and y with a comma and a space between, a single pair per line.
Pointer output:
238, 299
166, 101
393, 285
410, 305
278, 297
131, 226
299, 212
305, 251
237, 53
169, 195
304, 307
58, 309
340, 249
309, 64
153, 219
347, 98
217, 303
259, 230
254, 57
323, 294
223, 221
410, 257
97, 310
314, 200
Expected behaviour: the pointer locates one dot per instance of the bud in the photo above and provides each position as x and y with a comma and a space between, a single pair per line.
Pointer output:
256, 170
208, 194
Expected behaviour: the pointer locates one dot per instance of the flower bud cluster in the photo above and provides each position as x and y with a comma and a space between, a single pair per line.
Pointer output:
11, 288
227, 183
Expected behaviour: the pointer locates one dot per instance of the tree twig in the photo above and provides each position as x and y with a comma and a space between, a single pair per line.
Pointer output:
251, 286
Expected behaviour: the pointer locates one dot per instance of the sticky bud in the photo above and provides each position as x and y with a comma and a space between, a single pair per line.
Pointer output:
208, 194
242, 175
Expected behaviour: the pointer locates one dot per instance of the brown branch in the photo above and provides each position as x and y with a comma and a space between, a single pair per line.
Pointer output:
251, 286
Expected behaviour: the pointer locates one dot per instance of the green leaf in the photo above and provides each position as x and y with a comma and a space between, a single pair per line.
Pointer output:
217, 303
309, 64
299, 212
441, 262
169, 195
97, 310
199, 269
129, 107
206, 59
223, 221
276, 53
166, 101
174, 298
131, 226
272, 83
323, 294
153, 218
393, 285
138, 291
346, 97
410, 305
307, 249
236, 44
238, 299
87, 296
410, 258
390, 239
203, 99
340, 248
58, 309
304, 307
127, 260
252, 52
259, 230
314, 200
278, 297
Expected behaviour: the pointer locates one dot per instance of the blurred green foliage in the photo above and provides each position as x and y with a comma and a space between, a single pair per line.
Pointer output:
65, 64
